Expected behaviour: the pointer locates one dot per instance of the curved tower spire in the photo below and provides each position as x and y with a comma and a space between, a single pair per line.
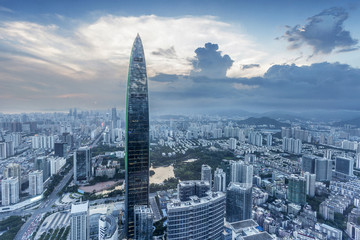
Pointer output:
137, 162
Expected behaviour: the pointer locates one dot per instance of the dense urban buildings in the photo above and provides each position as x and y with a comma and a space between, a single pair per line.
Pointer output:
9, 191
137, 136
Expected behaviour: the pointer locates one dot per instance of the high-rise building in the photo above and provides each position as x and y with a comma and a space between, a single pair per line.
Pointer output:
79, 221
206, 174
269, 139
232, 143
43, 164
82, 165
114, 118
198, 218
310, 184
357, 160
143, 221
9, 191
241, 172
297, 189
323, 169
308, 163
219, 180
238, 202
108, 228
137, 162
13, 170
186, 189
292, 145
60, 149
36, 183
344, 166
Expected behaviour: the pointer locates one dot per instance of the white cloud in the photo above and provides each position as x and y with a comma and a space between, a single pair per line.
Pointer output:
99, 51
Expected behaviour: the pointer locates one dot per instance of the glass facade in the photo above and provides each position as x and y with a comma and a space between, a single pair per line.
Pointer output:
238, 202
137, 161
82, 165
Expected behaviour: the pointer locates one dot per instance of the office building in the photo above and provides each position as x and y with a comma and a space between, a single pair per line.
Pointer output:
82, 165
219, 180
196, 219
43, 164
297, 189
13, 170
36, 183
344, 167
137, 162
186, 189
143, 221
79, 221
308, 163
60, 149
357, 160
241, 172
323, 169
206, 174
310, 184
9, 191
108, 228
238, 202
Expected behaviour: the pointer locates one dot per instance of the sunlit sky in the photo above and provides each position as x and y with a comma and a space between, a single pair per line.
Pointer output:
202, 56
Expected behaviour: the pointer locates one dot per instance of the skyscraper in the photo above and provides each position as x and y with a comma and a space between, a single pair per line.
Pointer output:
310, 184
206, 174
143, 222
9, 191
238, 202
13, 170
219, 180
79, 221
36, 186
82, 165
137, 162
297, 189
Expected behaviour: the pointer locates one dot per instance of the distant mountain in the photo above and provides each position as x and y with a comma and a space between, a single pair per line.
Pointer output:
354, 121
263, 121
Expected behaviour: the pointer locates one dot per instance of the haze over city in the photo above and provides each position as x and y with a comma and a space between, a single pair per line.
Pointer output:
179, 120
202, 56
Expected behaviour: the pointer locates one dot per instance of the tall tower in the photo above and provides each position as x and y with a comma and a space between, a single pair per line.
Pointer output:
137, 162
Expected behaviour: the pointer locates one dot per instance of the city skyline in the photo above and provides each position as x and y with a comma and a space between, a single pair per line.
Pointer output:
202, 57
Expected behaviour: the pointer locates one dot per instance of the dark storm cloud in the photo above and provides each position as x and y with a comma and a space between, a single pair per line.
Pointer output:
209, 62
168, 53
248, 66
330, 86
323, 32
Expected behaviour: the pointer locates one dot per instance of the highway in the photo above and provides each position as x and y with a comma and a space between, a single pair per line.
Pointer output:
28, 229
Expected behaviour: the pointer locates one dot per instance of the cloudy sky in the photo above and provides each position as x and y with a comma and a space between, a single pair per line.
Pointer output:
202, 56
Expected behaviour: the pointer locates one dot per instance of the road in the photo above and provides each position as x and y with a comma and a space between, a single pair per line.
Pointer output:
29, 227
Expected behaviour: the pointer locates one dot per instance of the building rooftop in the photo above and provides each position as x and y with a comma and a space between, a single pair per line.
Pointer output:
80, 207
259, 236
195, 201
239, 226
